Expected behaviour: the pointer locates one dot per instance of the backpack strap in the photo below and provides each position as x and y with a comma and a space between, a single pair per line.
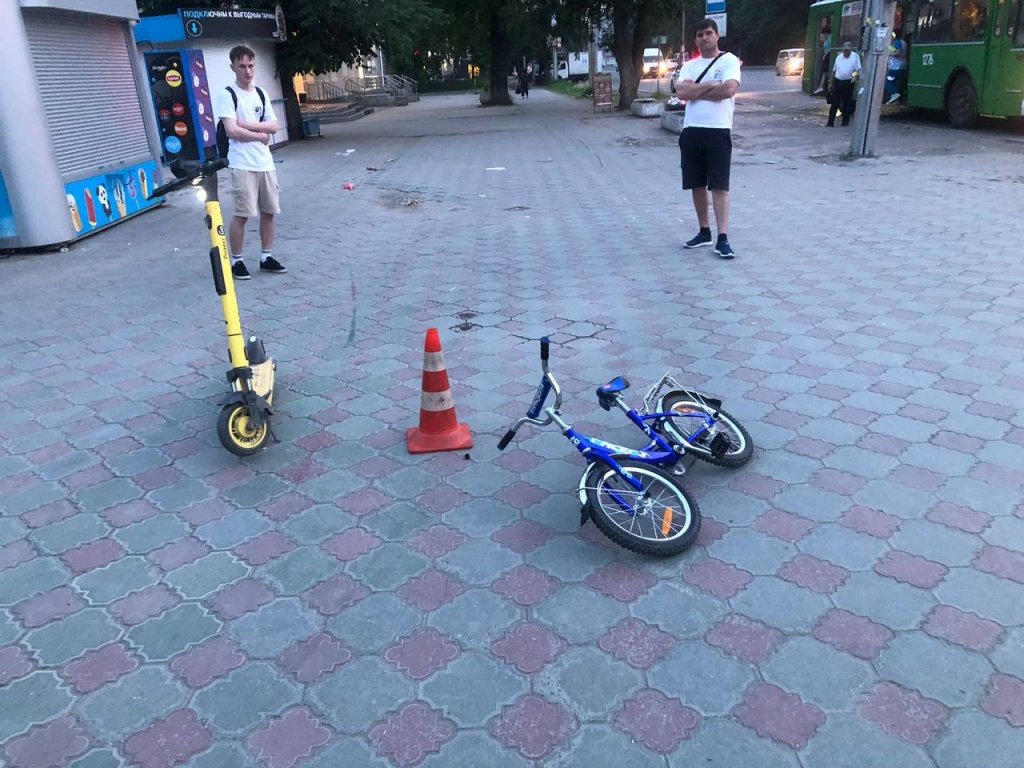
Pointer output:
263, 100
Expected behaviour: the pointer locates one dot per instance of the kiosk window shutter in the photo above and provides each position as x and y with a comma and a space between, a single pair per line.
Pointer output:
86, 78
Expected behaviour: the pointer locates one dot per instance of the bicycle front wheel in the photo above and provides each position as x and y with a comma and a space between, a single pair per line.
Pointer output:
690, 416
661, 520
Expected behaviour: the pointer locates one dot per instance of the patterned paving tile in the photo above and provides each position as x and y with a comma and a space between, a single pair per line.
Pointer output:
533, 726
437, 541
15, 662
717, 578
1004, 698
335, 594
97, 668
621, 581
50, 745
409, 735
659, 723
873, 522
745, 639
144, 604
40, 610
1001, 562
817, 575
857, 635
911, 569
780, 716
351, 544
169, 742
963, 628
205, 663
430, 590
288, 740
529, 647
311, 659
636, 642
904, 713
523, 536
959, 517
422, 654
264, 548
783, 525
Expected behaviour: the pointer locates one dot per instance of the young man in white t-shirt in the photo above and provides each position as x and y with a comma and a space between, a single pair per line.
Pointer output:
250, 126
705, 144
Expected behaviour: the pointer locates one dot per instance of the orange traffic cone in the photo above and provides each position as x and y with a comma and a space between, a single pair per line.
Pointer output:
439, 430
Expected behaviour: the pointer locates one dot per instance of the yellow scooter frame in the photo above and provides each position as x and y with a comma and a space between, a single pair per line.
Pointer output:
243, 425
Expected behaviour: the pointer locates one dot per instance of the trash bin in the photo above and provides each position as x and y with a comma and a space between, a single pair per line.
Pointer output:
311, 126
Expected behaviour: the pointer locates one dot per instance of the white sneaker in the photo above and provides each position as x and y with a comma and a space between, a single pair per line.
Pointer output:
819, 90
893, 99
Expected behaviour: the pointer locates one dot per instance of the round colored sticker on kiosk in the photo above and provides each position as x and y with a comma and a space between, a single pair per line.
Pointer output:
178, 109
172, 144
180, 128
173, 78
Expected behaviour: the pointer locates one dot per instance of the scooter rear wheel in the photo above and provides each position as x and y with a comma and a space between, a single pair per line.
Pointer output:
236, 433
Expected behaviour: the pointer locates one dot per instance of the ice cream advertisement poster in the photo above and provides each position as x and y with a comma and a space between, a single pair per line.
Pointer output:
100, 200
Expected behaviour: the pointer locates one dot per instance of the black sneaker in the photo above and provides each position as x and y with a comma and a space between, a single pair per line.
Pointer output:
272, 265
699, 240
239, 271
725, 250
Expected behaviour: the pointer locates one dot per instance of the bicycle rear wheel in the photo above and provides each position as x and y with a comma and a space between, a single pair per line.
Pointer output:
740, 449
662, 520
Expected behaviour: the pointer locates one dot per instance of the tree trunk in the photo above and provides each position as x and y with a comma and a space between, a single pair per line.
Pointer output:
292, 112
630, 37
499, 94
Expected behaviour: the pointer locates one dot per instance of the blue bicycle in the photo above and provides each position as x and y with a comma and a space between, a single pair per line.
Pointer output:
630, 498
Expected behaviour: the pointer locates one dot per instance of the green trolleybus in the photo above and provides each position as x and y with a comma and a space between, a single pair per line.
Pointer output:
966, 57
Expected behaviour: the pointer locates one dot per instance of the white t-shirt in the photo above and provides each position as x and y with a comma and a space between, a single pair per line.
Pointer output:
246, 155
702, 113
846, 66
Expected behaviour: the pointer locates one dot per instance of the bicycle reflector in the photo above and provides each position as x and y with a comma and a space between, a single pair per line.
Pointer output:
666, 521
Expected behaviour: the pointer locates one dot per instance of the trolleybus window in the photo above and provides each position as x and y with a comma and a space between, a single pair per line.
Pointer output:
1018, 38
948, 21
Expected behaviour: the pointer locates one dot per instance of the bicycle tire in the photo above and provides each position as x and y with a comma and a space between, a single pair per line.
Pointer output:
742, 449
644, 531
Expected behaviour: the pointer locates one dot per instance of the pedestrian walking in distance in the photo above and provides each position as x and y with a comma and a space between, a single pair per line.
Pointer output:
250, 123
708, 86
844, 75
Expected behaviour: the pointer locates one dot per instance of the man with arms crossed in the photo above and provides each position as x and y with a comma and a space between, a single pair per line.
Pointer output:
708, 85
249, 127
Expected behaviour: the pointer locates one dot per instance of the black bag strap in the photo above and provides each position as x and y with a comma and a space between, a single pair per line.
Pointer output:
263, 99
706, 69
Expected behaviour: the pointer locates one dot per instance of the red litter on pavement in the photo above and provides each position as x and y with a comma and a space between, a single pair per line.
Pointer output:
348, 185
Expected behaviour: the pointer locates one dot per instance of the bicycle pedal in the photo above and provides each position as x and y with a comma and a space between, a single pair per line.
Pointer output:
720, 445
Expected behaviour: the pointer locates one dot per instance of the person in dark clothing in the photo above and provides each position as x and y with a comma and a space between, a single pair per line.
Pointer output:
524, 84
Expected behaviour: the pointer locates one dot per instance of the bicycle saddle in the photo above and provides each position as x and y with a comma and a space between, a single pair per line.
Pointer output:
606, 392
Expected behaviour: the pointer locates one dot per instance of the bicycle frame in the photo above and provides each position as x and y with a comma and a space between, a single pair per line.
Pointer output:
659, 452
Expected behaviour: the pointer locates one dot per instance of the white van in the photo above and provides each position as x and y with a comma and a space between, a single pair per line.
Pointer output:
654, 63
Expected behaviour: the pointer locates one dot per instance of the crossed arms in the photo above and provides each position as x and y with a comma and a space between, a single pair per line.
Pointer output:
691, 91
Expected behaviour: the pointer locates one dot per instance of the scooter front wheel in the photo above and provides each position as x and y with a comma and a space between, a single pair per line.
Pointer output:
235, 431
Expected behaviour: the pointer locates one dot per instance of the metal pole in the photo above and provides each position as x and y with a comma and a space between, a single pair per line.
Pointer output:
592, 56
877, 26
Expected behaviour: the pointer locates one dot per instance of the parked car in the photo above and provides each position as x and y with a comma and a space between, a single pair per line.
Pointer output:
790, 61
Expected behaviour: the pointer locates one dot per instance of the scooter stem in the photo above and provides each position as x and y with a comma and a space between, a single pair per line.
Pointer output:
222, 278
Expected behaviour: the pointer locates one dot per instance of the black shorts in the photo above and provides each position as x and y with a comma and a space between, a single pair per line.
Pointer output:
706, 156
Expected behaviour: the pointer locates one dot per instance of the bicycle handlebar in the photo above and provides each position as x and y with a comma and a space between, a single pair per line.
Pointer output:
547, 385
188, 172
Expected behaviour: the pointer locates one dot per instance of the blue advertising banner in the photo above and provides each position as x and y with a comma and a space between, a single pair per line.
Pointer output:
98, 201
7, 227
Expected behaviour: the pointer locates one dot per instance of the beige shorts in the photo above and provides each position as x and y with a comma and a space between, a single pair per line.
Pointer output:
255, 192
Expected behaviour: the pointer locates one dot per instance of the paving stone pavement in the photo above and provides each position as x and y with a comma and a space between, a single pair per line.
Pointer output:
854, 599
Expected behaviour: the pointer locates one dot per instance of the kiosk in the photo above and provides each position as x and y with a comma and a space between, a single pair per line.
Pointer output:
78, 141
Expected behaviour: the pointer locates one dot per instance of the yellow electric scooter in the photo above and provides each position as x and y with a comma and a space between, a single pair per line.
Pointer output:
244, 422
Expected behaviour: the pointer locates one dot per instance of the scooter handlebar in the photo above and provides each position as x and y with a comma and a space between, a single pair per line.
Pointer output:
188, 172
